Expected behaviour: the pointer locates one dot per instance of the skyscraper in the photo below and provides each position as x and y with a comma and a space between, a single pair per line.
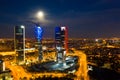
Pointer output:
38, 35
19, 42
61, 42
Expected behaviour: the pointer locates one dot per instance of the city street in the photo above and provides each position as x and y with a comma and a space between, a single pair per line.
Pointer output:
82, 71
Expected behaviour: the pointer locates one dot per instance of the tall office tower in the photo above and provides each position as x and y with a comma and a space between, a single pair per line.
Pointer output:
61, 41
39, 34
19, 41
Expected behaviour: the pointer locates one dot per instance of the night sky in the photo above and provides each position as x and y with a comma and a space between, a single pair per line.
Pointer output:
84, 18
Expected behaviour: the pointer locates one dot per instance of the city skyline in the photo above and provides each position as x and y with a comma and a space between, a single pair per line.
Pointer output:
85, 19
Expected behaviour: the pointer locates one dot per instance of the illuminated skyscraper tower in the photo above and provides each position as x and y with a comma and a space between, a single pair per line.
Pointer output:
61, 41
39, 34
19, 41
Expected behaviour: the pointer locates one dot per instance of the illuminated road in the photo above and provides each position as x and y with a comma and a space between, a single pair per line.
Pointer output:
7, 53
19, 71
82, 71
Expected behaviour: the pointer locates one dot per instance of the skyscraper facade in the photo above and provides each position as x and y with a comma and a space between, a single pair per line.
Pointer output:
61, 42
38, 35
19, 42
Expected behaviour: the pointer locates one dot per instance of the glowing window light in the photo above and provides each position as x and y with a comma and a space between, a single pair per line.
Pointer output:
63, 28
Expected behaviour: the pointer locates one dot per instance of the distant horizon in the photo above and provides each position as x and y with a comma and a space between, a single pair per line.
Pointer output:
68, 38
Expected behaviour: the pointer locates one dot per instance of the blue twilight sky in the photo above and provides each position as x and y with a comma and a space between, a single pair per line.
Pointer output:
84, 18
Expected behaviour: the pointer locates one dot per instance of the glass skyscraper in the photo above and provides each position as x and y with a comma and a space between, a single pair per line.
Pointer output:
19, 42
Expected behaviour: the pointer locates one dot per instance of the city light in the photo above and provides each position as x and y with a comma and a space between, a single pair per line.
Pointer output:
60, 40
